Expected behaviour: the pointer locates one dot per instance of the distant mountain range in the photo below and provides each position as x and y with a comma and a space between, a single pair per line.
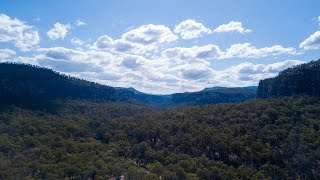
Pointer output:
205, 89
211, 95
27, 84
221, 87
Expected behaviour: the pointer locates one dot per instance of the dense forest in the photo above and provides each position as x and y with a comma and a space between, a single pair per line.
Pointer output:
25, 84
214, 96
275, 138
302, 79
83, 136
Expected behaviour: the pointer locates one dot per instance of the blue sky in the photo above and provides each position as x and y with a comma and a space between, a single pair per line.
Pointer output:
162, 46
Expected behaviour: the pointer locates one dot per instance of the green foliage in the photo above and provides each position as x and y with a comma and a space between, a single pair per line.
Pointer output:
302, 79
259, 139
32, 86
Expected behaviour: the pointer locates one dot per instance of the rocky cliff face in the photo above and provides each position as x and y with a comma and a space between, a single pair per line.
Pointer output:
302, 79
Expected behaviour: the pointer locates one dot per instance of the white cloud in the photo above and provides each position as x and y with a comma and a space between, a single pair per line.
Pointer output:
209, 52
80, 23
196, 72
65, 54
150, 34
154, 75
232, 26
18, 32
141, 40
279, 66
313, 42
249, 73
107, 43
59, 31
77, 42
199, 52
29, 40
131, 61
104, 42
125, 46
5, 53
246, 50
190, 29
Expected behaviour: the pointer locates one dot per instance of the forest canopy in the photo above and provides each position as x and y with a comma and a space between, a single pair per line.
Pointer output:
301, 79
276, 138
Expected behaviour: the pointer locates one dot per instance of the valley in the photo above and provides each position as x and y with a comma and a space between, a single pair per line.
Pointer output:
77, 132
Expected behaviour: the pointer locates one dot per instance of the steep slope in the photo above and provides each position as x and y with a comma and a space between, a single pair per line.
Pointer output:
26, 83
302, 79
131, 89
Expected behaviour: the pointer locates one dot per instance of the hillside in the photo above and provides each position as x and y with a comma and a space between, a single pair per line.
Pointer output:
28, 84
272, 138
224, 95
302, 79
208, 96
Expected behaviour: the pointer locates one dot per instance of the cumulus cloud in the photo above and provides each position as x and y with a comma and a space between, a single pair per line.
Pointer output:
80, 23
104, 42
196, 72
200, 52
5, 53
125, 46
77, 42
65, 54
150, 34
313, 42
137, 41
93, 65
246, 50
190, 29
154, 75
120, 45
131, 61
29, 40
280, 66
232, 26
59, 31
251, 73
24, 37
